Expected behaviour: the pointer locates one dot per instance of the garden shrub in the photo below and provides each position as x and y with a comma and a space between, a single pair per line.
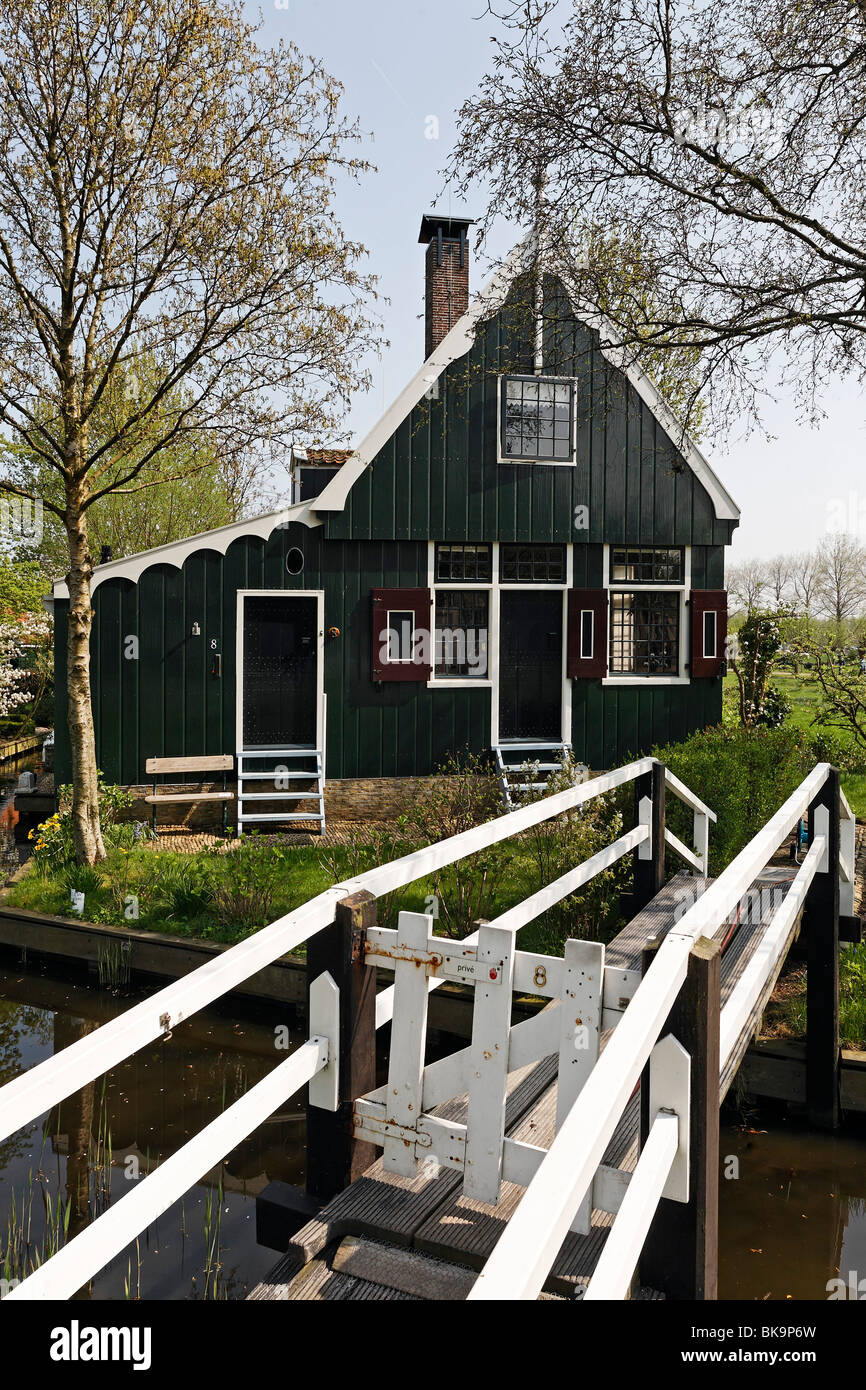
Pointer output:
250, 878
742, 774
852, 996
184, 888
829, 747
550, 849
54, 846
465, 793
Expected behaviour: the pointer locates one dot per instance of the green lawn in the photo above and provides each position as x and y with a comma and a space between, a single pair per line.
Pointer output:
225, 897
804, 694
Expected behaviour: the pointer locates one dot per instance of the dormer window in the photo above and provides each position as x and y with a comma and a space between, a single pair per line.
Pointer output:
537, 419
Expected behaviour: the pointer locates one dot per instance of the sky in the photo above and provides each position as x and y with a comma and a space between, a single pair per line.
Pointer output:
406, 66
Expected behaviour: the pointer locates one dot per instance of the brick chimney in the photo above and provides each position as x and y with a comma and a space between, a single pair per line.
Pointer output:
446, 276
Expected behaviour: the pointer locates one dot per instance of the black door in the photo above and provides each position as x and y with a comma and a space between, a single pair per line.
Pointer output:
280, 680
530, 665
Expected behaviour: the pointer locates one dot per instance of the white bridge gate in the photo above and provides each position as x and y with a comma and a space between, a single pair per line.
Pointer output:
587, 998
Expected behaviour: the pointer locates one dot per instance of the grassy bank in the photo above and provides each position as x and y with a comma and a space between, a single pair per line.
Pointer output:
226, 893
835, 745
786, 1013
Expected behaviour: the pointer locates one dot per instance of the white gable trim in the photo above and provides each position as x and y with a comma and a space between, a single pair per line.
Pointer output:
176, 552
459, 341
456, 343
725, 507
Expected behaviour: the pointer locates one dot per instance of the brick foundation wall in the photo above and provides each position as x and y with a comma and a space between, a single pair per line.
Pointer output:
358, 799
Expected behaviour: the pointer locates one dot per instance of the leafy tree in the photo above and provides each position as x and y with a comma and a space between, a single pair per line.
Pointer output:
166, 191
843, 687
728, 139
191, 485
22, 585
758, 643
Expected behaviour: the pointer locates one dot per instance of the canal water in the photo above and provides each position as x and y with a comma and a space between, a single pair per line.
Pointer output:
89, 1150
792, 1210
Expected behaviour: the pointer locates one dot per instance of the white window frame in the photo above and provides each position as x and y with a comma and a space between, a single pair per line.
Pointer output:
319, 596
625, 586
541, 463
400, 660
494, 588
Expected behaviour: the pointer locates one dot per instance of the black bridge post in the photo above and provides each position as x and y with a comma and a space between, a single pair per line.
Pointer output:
680, 1257
821, 920
334, 1157
649, 874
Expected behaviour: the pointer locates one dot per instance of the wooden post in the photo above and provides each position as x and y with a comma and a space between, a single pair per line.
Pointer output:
334, 1157
822, 964
649, 857
680, 1257
648, 955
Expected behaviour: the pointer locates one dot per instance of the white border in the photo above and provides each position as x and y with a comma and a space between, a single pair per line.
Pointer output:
319, 596
458, 342
682, 678
399, 660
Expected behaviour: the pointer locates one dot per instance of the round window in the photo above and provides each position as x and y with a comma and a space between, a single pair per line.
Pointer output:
295, 560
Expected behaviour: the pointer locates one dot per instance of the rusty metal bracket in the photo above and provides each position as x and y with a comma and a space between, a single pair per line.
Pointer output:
451, 962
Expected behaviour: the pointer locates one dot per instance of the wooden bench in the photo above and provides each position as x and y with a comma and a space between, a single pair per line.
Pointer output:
156, 767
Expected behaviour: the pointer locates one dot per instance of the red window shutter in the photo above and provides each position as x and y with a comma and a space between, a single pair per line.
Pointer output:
418, 602
587, 633
707, 656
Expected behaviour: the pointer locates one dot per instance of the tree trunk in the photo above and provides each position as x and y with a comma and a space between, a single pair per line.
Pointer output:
86, 829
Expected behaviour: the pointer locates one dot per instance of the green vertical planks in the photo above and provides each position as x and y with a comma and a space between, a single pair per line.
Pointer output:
131, 767
105, 663
195, 652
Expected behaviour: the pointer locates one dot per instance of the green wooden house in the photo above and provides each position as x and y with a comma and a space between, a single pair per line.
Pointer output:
524, 554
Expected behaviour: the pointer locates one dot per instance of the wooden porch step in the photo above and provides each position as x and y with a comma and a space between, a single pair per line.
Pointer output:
281, 796
272, 776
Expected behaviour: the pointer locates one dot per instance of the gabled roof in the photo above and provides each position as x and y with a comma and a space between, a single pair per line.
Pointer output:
352, 463
457, 343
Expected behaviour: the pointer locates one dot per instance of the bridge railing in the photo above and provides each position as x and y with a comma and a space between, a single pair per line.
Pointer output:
524, 1255
317, 1061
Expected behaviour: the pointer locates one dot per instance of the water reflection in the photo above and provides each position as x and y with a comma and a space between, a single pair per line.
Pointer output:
795, 1218
65, 1169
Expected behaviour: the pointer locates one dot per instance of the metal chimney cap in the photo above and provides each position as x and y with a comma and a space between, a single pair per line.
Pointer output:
452, 227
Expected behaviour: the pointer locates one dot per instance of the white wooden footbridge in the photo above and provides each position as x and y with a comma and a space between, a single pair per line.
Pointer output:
573, 1153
